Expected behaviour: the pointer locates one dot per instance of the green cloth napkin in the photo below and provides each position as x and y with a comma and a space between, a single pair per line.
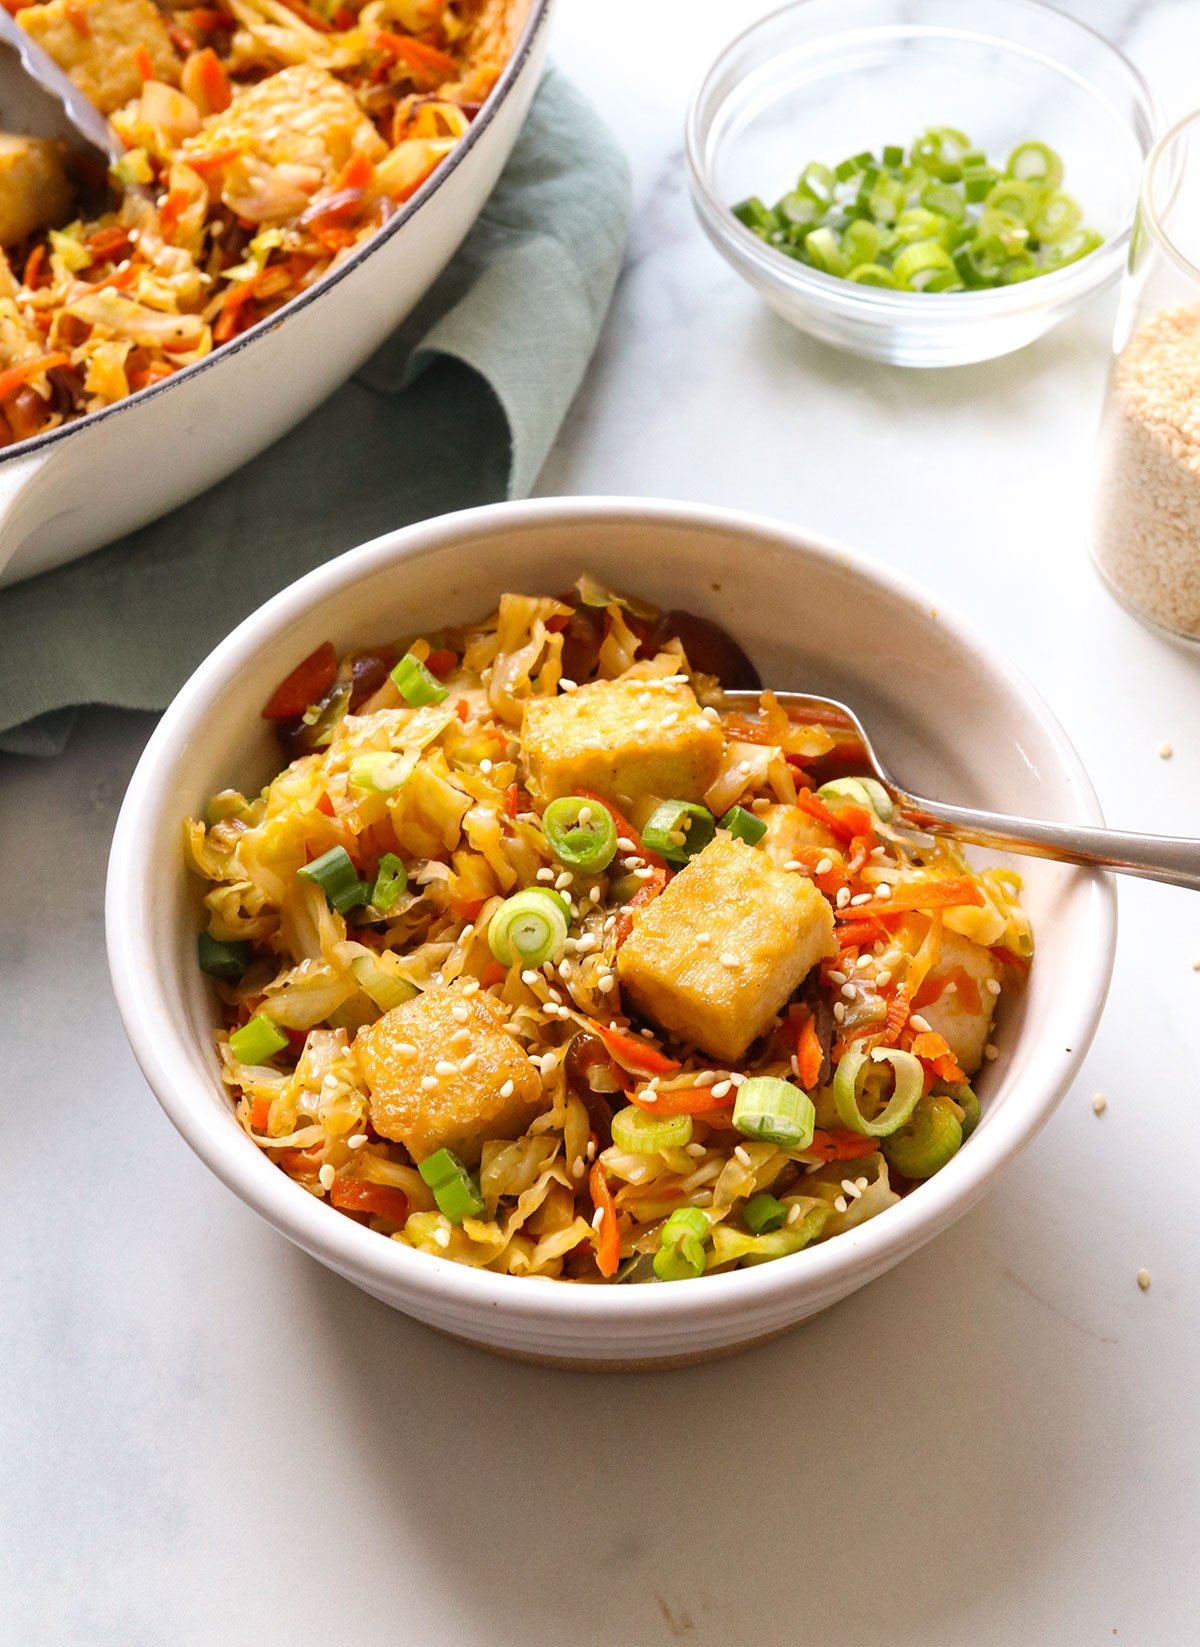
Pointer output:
458, 408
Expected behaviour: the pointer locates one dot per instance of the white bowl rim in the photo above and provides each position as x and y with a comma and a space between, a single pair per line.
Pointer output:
1077, 280
165, 1052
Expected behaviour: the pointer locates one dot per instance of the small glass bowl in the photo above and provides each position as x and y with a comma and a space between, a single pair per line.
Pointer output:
823, 79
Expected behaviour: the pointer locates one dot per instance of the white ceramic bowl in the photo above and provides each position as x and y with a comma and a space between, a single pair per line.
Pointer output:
956, 719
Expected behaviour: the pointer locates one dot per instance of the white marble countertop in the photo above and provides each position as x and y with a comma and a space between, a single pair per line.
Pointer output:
205, 1436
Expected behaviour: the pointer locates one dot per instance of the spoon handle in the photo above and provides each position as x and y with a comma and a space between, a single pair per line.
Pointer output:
1171, 858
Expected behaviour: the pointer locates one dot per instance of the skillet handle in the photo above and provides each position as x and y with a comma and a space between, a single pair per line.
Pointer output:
26, 506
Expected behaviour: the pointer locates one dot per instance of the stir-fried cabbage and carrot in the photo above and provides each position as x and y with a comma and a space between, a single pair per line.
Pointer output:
265, 139
538, 957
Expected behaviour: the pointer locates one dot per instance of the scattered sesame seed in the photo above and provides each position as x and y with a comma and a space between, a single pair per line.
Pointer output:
883, 978
921, 1025
669, 720
445, 1067
711, 715
530, 977
793, 1212
835, 976
643, 874
824, 865
1143, 1280
839, 1012
883, 890
485, 765
860, 1184
992, 986
793, 863
625, 844
991, 1052
859, 899
641, 726
742, 1154
545, 874
442, 1237
507, 1090
677, 837
849, 991
356, 1140
1099, 1104
460, 1037
850, 1189
703, 939
460, 1013
721, 1088
566, 685
694, 1150
406, 1049
429, 1083
469, 1062
606, 984
597, 1218
738, 1080
563, 880
327, 1176
840, 1203
634, 862
730, 961
843, 897
591, 1149
578, 1167
1165, 751
705, 1077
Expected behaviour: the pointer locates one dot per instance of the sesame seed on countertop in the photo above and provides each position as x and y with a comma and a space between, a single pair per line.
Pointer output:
1099, 1104
1165, 751
1143, 1280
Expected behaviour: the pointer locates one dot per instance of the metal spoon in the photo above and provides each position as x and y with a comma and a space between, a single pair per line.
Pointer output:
45, 101
1171, 858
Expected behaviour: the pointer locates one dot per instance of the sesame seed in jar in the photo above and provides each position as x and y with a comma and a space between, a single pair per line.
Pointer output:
327, 1176
429, 1083
507, 1090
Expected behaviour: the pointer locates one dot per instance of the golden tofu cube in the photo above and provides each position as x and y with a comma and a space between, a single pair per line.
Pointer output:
300, 118
622, 739
716, 955
789, 829
496, 1095
96, 41
34, 191
956, 1015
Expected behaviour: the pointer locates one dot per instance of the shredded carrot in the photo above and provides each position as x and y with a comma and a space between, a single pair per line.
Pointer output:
934, 1049
143, 63
608, 1256
495, 972
214, 159
15, 376
949, 894
634, 1054
840, 1145
260, 1110
810, 1056
845, 823
625, 828
683, 1101
325, 805
312, 18
965, 988
172, 210
77, 18
357, 173
35, 263
308, 683
630, 912
467, 909
418, 58
214, 82
208, 18
379, 1200
230, 320
1007, 958
853, 934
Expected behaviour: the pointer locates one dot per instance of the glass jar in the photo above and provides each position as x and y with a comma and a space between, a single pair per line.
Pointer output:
1146, 530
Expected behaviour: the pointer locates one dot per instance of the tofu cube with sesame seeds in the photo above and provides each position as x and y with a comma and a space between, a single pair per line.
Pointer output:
964, 1021
35, 192
96, 42
625, 740
719, 951
789, 830
423, 1098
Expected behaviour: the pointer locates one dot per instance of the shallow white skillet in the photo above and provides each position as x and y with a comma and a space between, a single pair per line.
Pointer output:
954, 716
66, 492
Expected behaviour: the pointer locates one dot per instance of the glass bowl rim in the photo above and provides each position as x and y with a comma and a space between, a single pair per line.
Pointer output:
1076, 280
1160, 153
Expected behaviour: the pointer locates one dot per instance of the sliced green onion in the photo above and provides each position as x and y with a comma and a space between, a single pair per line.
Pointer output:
817, 181
580, 833
940, 151
873, 274
680, 1255
755, 214
868, 792
220, 959
977, 183
743, 825
944, 201
415, 683
338, 879
391, 879
852, 165
824, 251
851, 1076
257, 1041
916, 264
454, 1189
923, 1147
387, 989
1058, 217
774, 1111
529, 928
964, 1097
1015, 199
763, 1213
1036, 163
893, 154
382, 772
801, 211
677, 830
644, 1134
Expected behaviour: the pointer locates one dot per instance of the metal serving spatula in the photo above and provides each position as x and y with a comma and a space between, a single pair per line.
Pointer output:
1171, 858
44, 101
